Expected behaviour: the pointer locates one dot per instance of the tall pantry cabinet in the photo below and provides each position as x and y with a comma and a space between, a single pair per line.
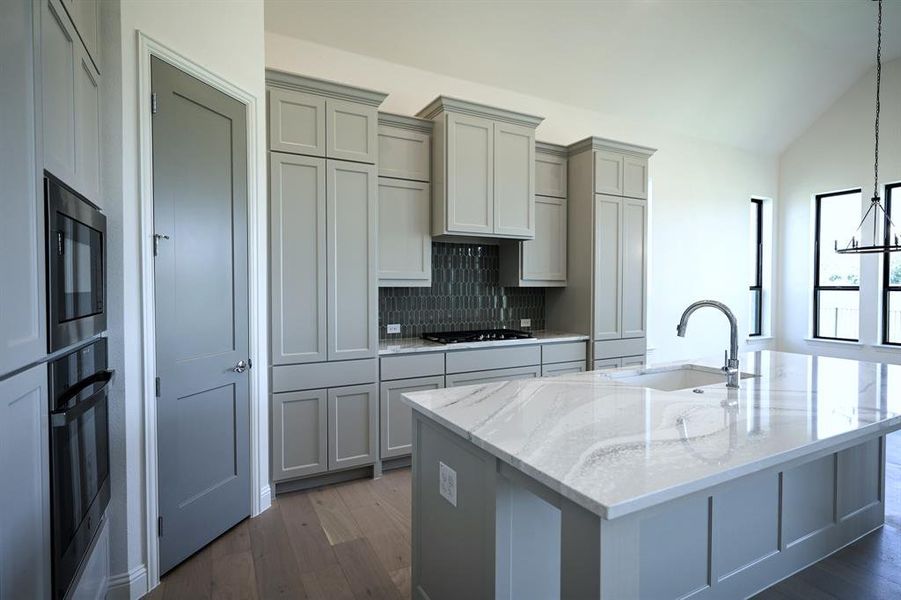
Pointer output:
323, 274
606, 251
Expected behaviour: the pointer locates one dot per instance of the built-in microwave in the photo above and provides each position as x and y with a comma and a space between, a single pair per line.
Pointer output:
76, 266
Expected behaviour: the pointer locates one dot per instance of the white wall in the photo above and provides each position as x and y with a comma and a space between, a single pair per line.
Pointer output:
226, 39
701, 190
835, 153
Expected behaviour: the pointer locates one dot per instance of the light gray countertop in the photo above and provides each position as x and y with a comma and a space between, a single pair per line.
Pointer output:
409, 345
615, 448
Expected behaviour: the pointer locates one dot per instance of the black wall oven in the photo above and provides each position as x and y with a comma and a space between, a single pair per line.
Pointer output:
76, 273
79, 456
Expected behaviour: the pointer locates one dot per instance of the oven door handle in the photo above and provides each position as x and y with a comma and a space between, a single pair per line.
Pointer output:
61, 418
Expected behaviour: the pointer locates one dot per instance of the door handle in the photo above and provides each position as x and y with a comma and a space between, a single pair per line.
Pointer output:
240, 367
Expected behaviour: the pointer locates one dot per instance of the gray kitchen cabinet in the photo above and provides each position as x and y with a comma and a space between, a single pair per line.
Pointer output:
550, 170
481, 377
24, 495
608, 267
563, 368
297, 260
85, 14
607, 363
635, 176
404, 147
634, 269
396, 417
351, 259
352, 426
514, 180
71, 104
322, 118
633, 361
483, 160
404, 238
299, 434
608, 172
296, 122
23, 313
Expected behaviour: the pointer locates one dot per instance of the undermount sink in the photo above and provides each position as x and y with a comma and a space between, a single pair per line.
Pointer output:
681, 377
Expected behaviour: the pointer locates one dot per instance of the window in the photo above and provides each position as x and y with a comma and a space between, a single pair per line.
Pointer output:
891, 279
836, 277
756, 297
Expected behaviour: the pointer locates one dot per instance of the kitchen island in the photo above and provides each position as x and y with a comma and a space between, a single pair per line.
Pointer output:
603, 485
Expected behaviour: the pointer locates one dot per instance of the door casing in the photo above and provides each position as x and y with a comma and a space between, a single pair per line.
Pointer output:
257, 285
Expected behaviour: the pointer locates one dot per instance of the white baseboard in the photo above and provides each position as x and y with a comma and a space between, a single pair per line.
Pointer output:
128, 586
265, 498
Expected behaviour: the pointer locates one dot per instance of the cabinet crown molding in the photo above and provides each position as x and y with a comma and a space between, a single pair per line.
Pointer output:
599, 143
549, 148
405, 122
323, 87
455, 105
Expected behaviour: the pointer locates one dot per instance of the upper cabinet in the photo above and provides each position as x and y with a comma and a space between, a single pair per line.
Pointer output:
85, 14
322, 118
484, 170
541, 262
71, 103
405, 236
621, 171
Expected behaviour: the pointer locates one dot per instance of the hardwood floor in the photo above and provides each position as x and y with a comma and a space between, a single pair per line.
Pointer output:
351, 541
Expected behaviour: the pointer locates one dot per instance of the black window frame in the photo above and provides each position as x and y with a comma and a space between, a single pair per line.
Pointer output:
887, 288
758, 276
817, 288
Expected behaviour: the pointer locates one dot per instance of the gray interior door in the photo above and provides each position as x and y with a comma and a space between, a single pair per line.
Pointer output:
200, 203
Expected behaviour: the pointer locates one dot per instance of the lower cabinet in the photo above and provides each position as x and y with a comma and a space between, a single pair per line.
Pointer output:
563, 368
615, 363
24, 495
352, 426
396, 417
633, 361
458, 379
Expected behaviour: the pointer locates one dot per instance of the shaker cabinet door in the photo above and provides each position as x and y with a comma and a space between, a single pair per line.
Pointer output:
514, 180
635, 177
297, 278
395, 417
351, 131
405, 240
404, 154
352, 426
634, 268
58, 72
608, 265
544, 258
296, 122
608, 173
87, 126
469, 201
299, 434
550, 175
351, 260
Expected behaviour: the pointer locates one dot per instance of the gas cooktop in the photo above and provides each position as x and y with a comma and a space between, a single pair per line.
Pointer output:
480, 335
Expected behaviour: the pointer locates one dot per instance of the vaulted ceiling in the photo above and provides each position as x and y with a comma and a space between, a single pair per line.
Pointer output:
752, 74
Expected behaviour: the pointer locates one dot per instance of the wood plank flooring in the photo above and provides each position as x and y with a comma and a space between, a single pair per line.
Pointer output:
351, 541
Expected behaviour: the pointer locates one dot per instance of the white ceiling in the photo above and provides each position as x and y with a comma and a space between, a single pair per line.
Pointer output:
753, 74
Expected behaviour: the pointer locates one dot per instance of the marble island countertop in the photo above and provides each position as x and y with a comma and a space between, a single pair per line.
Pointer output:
615, 448
401, 345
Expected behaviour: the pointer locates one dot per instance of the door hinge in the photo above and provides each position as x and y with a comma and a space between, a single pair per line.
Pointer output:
154, 105
159, 526
157, 387
249, 363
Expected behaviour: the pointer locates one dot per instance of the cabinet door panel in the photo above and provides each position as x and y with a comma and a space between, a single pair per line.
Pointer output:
24, 495
87, 126
480, 377
607, 258
470, 175
352, 426
635, 177
350, 131
297, 258
514, 180
608, 173
396, 417
352, 255
632, 361
299, 434
404, 154
86, 16
58, 41
634, 269
296, 122
550, 175
603, 364
563, 368
405, 240
544, 258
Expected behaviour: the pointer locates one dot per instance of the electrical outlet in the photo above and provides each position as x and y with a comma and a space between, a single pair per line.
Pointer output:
394, 328
447, 483
525, 323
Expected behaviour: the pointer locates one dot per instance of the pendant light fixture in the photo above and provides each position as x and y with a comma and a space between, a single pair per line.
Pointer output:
891, 240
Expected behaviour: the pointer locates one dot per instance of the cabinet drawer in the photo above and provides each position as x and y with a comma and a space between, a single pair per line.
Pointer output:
617, 348
478, 377
633, 361
563, 368
607, 363
286, 378
565, 352
492, 358
412, 365
404, 154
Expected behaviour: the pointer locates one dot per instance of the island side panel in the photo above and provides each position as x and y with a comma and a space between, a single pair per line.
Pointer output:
737, 538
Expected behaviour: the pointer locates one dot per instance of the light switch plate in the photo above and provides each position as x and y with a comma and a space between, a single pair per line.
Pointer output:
447, 483
525, 322
394, 328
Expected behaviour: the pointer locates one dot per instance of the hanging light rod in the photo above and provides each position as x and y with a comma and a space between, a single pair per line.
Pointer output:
891, 242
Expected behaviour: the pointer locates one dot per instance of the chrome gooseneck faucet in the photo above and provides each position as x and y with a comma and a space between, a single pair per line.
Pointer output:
730, 368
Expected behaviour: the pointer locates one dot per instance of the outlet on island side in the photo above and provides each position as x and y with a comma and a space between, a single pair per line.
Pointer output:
525, 323
393, 328
447, 483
